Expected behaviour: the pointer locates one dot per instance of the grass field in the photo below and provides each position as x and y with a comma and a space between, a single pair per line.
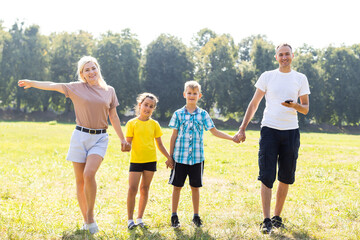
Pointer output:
38, 201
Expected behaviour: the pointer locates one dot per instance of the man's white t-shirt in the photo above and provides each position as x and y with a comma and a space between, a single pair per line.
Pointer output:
279, 87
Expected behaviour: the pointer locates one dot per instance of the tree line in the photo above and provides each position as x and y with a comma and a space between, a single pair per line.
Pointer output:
227, 71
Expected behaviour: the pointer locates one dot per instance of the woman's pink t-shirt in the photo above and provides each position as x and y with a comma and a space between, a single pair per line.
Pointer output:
91, 103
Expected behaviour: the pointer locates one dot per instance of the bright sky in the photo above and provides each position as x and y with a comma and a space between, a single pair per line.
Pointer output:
317, 23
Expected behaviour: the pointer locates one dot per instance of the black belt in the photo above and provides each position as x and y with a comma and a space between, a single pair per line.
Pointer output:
91, 131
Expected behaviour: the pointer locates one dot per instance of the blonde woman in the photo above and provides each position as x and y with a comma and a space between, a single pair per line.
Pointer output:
94, 102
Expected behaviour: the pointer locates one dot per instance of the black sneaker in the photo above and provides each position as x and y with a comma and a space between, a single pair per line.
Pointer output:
197, 221
266, 226
175, 221
277, 222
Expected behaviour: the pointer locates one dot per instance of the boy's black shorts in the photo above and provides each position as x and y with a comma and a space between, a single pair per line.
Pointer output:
140, 167
278, 147
181, 171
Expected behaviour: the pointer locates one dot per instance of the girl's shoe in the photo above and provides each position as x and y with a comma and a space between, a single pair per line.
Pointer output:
92, 227
131, 226
83, 227
142, 225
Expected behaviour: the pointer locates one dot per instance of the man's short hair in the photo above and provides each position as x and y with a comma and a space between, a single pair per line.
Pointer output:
283, 45
192, 84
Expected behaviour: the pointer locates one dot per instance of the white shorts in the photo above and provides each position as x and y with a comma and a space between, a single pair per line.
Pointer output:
83, 144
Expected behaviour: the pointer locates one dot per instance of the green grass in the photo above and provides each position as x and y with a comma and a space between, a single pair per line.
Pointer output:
38, 201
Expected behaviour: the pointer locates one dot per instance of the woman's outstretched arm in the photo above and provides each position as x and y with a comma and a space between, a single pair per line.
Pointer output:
49, 86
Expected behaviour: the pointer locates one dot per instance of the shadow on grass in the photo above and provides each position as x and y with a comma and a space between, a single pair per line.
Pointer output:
144, 233
137, 233
77, 235
194, 235
295, 234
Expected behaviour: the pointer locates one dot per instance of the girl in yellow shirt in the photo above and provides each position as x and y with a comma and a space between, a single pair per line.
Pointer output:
141, 132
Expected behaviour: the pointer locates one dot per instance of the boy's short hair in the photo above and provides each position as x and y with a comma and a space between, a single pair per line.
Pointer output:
192, 84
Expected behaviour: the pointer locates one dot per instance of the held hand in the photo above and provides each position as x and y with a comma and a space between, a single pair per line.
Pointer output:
240, 136
170, 163
24, 83
236, 138
125, 146
128, 147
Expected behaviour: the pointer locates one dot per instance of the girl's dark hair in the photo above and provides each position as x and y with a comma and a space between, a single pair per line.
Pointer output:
140, 99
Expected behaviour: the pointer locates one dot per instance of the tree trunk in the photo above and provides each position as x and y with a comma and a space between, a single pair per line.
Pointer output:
18, 103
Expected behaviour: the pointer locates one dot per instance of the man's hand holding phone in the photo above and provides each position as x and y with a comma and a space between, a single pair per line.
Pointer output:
288, 103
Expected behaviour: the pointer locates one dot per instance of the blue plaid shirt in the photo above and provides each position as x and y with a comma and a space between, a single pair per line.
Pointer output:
189, 145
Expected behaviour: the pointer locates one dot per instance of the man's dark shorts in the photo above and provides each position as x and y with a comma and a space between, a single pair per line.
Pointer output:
278, 147
181, 171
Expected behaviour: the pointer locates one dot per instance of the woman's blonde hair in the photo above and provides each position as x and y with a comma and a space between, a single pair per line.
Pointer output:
84, 60
141, 98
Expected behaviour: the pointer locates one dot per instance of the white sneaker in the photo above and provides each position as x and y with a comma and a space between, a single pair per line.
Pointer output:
83, 227
92, 227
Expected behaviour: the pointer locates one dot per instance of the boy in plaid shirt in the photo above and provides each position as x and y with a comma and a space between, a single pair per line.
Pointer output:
187, 149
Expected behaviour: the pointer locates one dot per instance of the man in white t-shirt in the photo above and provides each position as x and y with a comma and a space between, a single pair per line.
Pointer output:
280, 138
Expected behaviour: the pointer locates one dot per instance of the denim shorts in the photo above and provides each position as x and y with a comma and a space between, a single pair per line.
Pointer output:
83, 144
278, 149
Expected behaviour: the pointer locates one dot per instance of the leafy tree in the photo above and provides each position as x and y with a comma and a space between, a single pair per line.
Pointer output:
202, 37
356, 49
36, 66
215, 71
262, 56
168, 66
341, 67
4, 36
306, 62
23, 57
246, 45
245, 81
11, 68
119, 56
355, 116
66, 51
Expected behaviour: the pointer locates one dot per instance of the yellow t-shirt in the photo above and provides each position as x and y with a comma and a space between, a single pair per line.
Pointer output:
143, 143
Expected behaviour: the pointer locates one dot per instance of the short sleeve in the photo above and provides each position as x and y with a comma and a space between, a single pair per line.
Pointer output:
304, 89
174, 121
69, 88
261, 82
66, 90
207, 121
129, 129
114, 101
158, 132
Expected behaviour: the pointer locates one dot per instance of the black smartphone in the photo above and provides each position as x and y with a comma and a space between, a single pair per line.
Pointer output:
288, 101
